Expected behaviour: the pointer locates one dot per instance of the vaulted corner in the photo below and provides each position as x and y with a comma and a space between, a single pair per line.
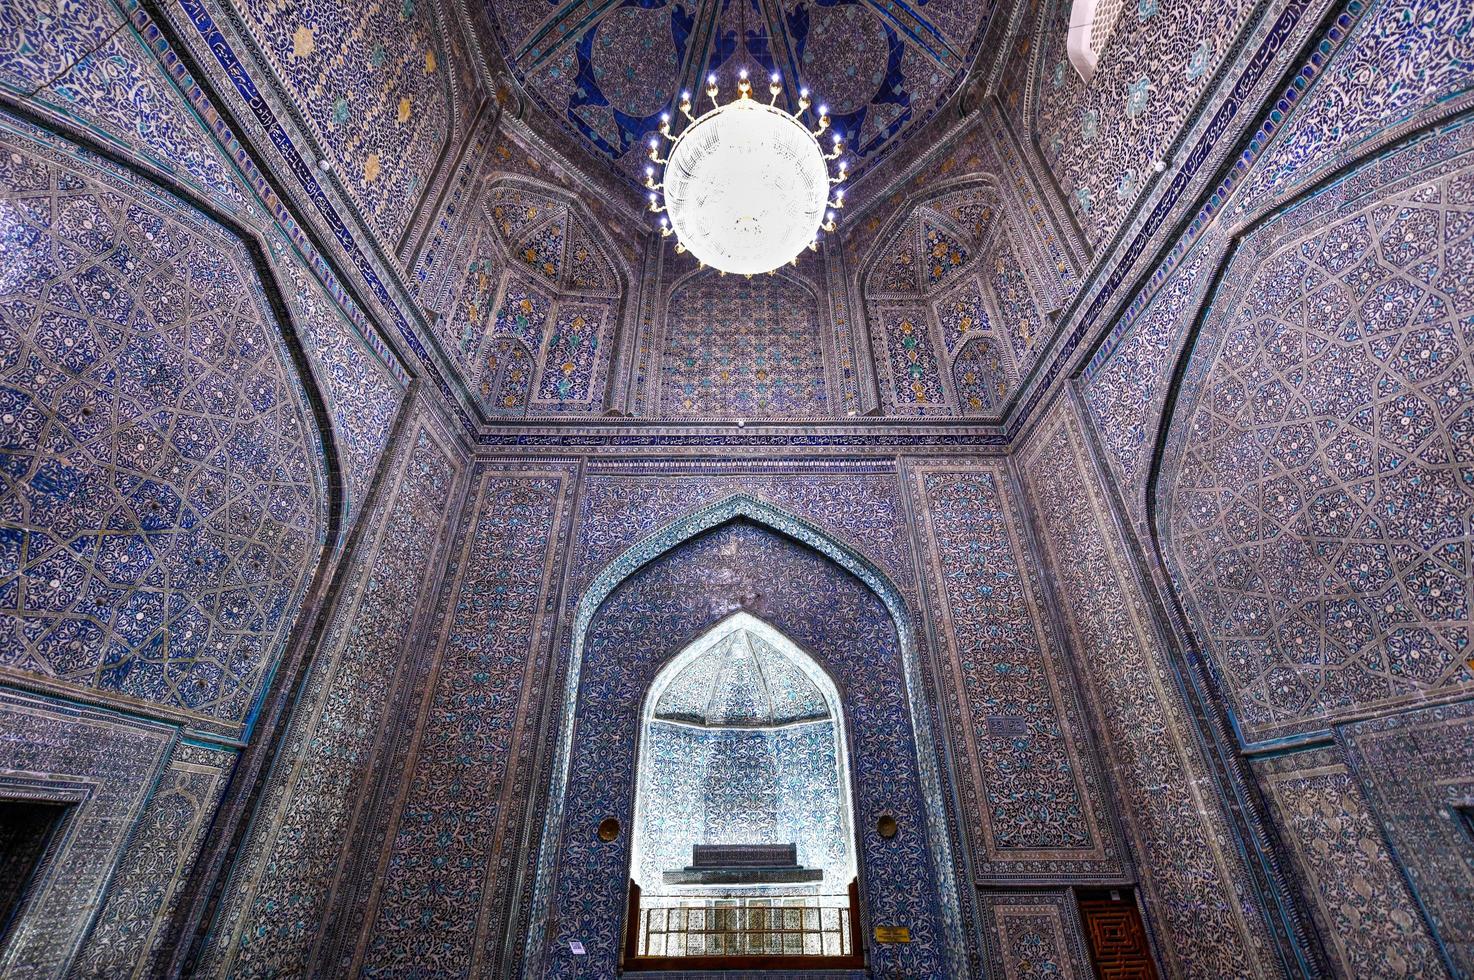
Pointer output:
735, 488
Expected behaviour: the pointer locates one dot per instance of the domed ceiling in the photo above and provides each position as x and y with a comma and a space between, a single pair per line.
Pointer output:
607, 70
741, 682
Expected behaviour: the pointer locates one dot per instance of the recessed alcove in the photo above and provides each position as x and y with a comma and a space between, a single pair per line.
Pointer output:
743, 840
27, 828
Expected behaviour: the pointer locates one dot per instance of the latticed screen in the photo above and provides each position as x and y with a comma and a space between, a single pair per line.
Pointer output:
1107, 12
1116, 936
747, 927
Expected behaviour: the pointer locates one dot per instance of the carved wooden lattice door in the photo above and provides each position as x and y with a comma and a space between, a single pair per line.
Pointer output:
1117, 938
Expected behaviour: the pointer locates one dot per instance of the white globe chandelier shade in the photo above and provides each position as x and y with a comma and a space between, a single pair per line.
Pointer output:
746, 186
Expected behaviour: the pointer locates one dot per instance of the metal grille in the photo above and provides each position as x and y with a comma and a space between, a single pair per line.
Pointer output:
747, 927
1107, 12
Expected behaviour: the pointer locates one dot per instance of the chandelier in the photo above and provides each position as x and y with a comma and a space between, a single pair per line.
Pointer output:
745, 187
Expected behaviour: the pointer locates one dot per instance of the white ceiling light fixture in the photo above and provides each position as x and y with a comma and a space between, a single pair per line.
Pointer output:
745, 188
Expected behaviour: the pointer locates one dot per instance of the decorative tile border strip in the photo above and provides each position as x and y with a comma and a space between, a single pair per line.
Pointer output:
245, 86
1319, 58
1194, 161
241, 157
675, 437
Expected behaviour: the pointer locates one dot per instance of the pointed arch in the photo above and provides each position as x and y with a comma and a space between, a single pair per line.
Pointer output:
809, 536
549, 242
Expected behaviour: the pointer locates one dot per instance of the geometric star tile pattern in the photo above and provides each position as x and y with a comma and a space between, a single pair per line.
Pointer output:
1322, 504
161, 506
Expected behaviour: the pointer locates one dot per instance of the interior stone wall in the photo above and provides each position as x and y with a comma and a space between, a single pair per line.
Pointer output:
1311, 578
1197, 886
299, 257
300, 845
194, 415
1032, 792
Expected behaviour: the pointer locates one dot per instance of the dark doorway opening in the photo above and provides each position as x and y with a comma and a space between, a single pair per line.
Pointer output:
1115, 934
27, 828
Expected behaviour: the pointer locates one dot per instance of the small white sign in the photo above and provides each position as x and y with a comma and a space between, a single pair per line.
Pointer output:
576, 948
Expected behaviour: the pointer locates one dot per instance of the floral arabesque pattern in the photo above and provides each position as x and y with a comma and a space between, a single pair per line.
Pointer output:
372, 82
743, 348
1031, 794
344, 708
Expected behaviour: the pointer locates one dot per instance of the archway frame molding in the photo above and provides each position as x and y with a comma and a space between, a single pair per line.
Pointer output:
652, 547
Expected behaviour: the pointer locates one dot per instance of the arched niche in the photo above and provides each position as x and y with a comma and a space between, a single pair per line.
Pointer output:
742, 752
932, 288
171, 459
547, 280
650, 604
1309, 489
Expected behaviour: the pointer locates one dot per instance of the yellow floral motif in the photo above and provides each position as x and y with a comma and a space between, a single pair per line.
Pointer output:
404, 110
429, 61
303, 42
371, 168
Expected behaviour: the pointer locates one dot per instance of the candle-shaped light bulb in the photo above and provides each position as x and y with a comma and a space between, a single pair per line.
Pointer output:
775, 78
742, 74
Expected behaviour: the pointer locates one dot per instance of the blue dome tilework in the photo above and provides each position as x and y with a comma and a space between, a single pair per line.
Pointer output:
883, 69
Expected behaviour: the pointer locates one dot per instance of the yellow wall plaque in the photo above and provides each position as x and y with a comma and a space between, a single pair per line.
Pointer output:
892, 934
